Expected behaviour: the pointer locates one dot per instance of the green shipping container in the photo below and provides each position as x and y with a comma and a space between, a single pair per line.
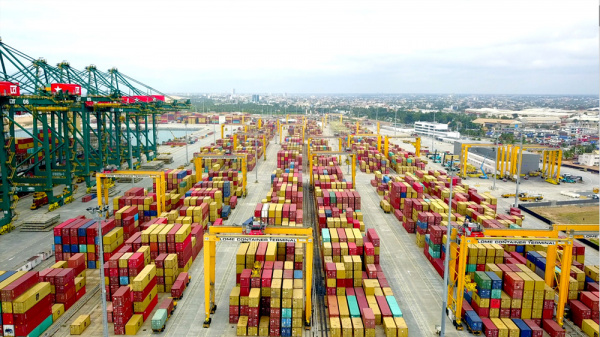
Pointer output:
159, 319
39, 330
394, 307
471, 268
496, 293
325, 235
353, 306
482, 280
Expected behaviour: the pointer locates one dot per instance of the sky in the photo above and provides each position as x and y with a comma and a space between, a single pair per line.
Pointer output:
320, 46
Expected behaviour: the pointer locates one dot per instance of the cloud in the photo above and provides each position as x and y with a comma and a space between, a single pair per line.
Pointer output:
309, 45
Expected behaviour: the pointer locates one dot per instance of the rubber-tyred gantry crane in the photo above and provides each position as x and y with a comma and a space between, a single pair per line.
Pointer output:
459, 251
332, 153
416, 143
157, 176
303, 235
198, 162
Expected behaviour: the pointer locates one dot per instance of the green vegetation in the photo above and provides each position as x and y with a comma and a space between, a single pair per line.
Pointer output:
573, 151
570, 214
456, 121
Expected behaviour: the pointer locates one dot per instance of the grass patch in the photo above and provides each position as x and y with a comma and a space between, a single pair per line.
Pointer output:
570, 214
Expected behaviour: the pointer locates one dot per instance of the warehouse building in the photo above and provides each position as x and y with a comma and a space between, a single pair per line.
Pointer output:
438, 130
487, 156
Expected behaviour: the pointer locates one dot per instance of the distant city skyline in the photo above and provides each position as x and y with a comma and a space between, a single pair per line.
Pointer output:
322, 47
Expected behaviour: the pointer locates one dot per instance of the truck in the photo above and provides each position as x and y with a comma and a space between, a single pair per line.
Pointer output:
39, 199
180, 284
532, 197
159, 320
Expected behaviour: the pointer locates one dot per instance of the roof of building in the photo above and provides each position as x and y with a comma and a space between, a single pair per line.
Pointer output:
497, 121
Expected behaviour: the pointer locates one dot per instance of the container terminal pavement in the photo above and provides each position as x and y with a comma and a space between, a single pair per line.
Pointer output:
370, 274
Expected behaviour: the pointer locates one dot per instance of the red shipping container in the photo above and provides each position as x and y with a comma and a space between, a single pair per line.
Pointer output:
139, 296
149, 309
64, 277
489, 329
122, 297
368, 318
536, 331
589, 299
41, 307
552, 328
19, 286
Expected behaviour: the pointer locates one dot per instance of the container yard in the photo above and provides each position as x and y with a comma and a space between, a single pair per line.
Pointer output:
279, 227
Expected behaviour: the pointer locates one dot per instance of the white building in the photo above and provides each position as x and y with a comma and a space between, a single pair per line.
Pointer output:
589, 159
437, 129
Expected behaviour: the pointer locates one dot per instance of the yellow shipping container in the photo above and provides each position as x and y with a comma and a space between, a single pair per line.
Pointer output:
589, 327
141, 306
58, 310
343, 307
162, 235
123, 263
63, 264
502, 329
144, 277
134, 324
335, 327
30, 298
80, 324
254, 298
242, 326
79, 283
389, 327
112, 236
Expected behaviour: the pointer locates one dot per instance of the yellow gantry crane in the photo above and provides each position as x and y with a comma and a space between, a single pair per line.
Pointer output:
198, 162
341, 117
459, 250
303, 235
358, 128
303, 125
464, 155
416, 143
310, 139
333, 154
223, 128
509, 158
366, 135
251, 134
157, 176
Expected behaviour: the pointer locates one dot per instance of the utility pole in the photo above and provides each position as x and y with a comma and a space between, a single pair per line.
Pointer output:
520, 159
495, 162
256, 158
395, 115
96, 212
187, 159
433, 132
447, 257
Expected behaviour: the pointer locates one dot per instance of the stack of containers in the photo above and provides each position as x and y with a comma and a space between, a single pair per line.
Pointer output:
517, 294
122, 309
140, 198
145, 292
166, 271
403, 161
127, 217
26, 304
79, 235
286, 187
358, 294
269, 296
289, 159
